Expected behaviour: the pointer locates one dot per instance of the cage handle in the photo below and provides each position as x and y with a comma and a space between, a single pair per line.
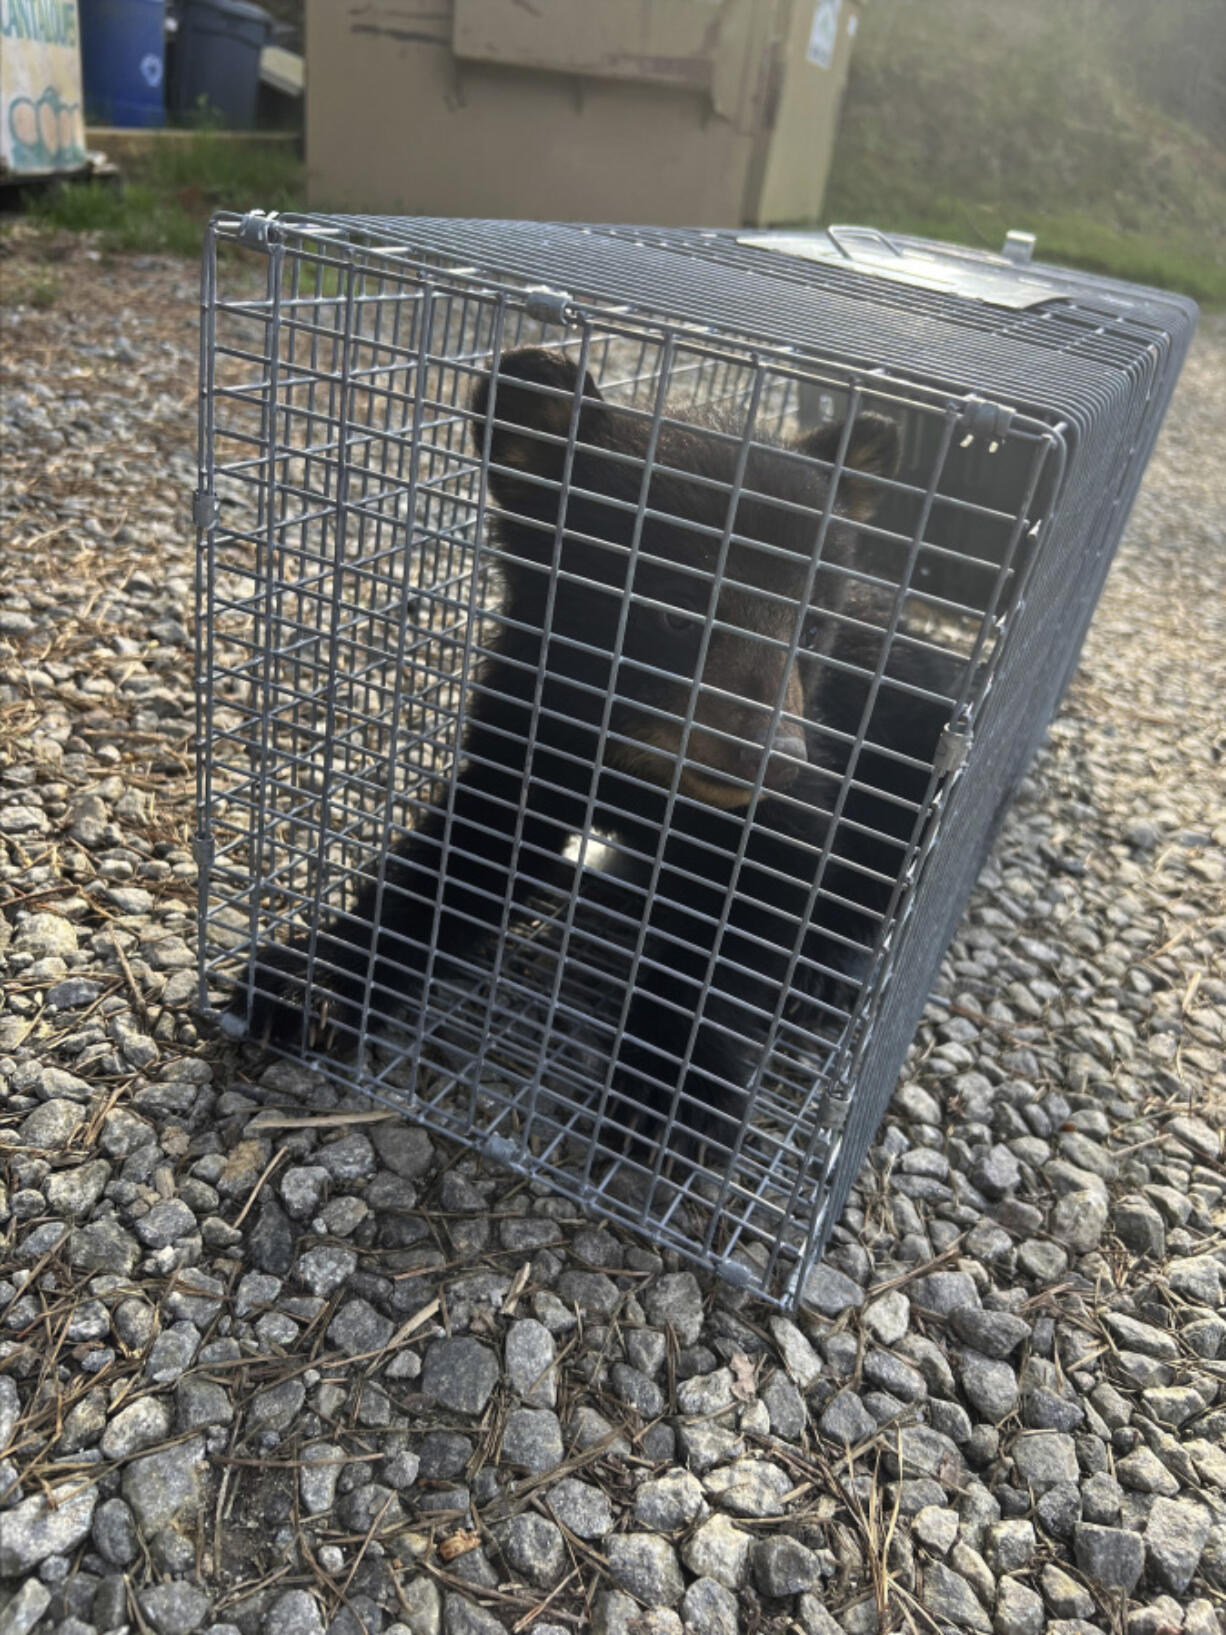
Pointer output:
874, 235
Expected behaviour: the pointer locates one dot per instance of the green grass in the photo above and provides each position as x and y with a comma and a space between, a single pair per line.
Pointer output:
33, 289
168, 195
1036, 117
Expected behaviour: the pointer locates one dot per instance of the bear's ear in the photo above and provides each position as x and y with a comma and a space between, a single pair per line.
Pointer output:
533, 394
873, 450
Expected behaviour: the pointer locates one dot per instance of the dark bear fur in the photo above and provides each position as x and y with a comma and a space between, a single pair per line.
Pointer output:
781, 694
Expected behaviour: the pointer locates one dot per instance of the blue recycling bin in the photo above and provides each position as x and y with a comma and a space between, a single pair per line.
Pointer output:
123, 54
216, 64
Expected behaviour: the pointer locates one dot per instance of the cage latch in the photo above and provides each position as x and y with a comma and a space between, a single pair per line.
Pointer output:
1018, 247
953, 746
203, 851
738, 1275
548, 306
984, 422
206, 508
502, 1150
256, 228
833, 1113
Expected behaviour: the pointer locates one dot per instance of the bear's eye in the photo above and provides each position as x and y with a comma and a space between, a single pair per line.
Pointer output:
679, 620
810, 631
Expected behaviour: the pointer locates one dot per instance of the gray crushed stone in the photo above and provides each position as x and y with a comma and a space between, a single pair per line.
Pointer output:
252, 1362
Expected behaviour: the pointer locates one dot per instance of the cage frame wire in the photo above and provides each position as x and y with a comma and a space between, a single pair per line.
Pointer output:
857, 1066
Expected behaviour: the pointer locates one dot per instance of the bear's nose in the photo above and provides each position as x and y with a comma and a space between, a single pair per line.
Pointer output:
787, 753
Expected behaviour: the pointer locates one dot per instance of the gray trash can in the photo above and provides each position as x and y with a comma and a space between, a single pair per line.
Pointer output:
217, 59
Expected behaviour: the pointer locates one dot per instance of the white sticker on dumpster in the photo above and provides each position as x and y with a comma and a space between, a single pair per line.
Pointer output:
41, 123
823, 36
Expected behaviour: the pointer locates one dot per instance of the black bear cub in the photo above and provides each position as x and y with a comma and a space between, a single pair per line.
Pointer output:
676, 669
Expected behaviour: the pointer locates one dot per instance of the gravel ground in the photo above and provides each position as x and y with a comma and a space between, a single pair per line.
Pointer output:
283, 1369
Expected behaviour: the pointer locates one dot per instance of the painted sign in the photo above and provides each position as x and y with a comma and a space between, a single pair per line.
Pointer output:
42, 123
824, 34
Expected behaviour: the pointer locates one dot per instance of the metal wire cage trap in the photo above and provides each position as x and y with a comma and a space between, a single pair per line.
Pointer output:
616, 651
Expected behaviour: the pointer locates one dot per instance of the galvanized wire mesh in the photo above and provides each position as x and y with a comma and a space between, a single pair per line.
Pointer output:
616, 652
